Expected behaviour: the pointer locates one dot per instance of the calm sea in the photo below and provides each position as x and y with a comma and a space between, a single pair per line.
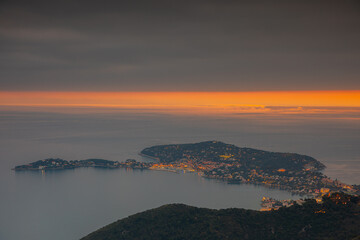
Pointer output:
66, 205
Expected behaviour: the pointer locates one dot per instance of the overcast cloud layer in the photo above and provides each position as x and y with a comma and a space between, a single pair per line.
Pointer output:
179, 45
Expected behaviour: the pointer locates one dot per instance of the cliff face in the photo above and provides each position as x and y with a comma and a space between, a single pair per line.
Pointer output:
337, 218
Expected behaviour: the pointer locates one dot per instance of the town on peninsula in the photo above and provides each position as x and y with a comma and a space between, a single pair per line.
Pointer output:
298, 174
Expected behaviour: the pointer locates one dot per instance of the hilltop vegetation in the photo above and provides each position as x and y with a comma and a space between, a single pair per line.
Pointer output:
216, 151
337, 218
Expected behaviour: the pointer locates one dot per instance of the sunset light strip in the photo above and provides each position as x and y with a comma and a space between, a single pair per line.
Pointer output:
184, 99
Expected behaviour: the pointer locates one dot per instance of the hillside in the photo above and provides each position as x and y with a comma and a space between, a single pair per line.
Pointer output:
337, 218
216, 151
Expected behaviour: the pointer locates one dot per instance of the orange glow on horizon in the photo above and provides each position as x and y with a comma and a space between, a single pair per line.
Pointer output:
329, 104
183, 99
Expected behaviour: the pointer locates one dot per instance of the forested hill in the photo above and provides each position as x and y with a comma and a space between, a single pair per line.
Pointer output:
337, 218
216, 151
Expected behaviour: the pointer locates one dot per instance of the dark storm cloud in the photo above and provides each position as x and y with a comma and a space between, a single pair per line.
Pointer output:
179, 45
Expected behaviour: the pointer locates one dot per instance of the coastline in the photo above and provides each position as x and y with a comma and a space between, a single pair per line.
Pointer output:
305, 179
163, 170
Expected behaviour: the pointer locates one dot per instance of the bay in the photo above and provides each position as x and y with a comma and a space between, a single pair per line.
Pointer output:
66, 205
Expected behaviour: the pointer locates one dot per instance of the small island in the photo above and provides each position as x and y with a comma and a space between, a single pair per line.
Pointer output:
299, 174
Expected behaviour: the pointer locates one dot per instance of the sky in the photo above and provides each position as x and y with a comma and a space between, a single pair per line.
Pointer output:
186, 46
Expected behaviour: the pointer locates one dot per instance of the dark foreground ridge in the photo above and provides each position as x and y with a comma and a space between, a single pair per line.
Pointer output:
338, 217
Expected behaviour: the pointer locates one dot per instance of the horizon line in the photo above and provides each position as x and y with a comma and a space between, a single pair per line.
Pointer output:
269, 98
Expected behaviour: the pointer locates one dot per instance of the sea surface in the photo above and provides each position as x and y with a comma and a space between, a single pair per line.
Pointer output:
66, 205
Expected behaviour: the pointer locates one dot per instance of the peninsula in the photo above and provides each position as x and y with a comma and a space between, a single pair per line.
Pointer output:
299, 174
60, 164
